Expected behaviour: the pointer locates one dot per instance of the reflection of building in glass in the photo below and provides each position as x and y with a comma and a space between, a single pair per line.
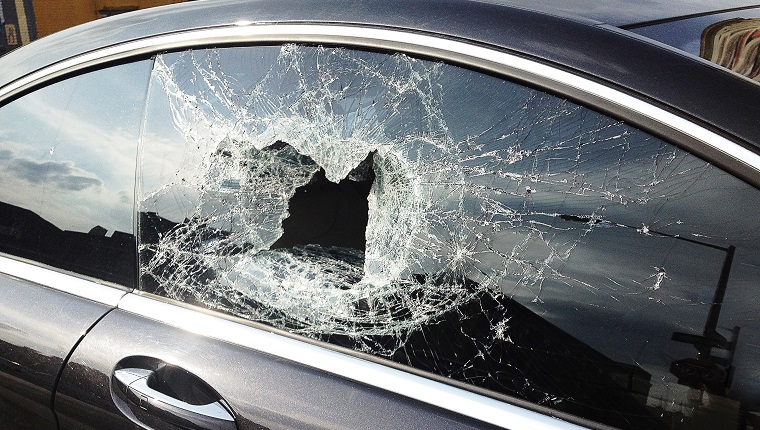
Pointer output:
734, 44
26, 234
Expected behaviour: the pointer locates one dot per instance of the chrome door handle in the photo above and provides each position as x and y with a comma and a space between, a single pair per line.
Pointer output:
134, 385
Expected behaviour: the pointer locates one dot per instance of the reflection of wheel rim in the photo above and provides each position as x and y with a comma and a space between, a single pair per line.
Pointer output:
733, 44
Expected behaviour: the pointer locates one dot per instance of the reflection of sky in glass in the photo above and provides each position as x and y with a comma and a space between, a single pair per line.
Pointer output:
613, 283
67, 151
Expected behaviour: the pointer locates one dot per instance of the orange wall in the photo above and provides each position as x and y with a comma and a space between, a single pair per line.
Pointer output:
56, 15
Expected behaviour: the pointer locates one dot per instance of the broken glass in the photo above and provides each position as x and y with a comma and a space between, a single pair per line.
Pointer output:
456, 222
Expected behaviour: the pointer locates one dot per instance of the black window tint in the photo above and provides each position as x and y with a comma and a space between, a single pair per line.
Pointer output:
67, 160
458, 223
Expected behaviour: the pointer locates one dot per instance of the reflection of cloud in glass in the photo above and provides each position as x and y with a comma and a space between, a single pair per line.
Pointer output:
78, 136
59, 174
734, 44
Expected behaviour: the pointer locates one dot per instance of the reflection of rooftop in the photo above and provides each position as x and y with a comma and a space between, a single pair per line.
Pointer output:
27, 235
98, 231
14, 220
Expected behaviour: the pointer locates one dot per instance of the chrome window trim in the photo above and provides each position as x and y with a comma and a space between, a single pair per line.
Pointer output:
491, 59
397, 381
60, 281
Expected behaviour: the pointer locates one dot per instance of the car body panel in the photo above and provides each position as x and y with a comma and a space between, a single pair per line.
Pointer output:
685, 34
33, 350
264, 390
625, 13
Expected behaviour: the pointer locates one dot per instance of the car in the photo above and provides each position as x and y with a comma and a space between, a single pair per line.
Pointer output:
357, 214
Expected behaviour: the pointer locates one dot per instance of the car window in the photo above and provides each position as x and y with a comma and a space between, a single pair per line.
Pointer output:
455, 222
67, 169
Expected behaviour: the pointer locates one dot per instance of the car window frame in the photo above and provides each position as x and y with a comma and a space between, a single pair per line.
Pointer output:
661, 120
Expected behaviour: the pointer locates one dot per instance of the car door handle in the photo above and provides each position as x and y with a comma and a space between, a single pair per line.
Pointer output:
142, 399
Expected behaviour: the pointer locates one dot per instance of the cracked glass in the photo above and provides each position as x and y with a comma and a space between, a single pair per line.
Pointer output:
455, 222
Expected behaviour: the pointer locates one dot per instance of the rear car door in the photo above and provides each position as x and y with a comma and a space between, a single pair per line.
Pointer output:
162, 360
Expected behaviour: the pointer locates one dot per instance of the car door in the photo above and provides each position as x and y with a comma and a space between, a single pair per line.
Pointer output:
66, 226
265, 378
335, 235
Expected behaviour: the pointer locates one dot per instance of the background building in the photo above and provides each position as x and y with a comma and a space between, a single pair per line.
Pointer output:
23, 21
18, 24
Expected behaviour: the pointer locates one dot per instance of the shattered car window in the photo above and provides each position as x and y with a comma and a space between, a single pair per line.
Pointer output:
455, 222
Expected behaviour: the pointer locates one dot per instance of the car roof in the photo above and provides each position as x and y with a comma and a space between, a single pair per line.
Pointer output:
418, 14
596, 50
